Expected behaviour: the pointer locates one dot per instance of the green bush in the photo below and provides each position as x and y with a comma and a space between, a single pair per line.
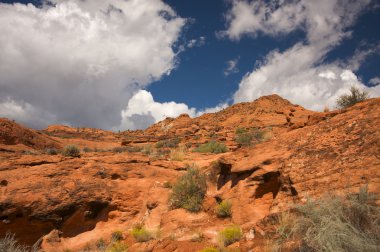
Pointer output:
351, 99
223, 209
101, 244
71, 151
141, 234
147, 149
247, 138
169, 143
240, 131
52, 151
117, 236
117, 247
336, 224
87, 149
189, 191
230, 235
212, 147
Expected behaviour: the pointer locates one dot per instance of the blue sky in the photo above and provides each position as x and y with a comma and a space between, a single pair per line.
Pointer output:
200, 74
118, 64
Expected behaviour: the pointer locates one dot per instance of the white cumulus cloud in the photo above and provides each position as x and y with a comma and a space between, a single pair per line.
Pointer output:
81, 61
375, 81
298, 73
143, 110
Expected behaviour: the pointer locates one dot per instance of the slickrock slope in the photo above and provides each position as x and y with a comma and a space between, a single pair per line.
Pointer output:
12, 134
75, 202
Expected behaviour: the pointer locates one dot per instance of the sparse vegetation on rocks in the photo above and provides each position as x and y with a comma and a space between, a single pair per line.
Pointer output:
356, 95
169, 143
177, 154
212, 147
334, 224
230, 235
117, 247
141, 234
117, 236
223, 209
10, 244
52, 151
101, 244
147, 149
87, 149
71, 151
189, 191
246, 137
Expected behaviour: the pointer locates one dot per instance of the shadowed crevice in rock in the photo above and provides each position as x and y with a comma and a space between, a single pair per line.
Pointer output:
225, 175
271, 184
86, 218
70, 220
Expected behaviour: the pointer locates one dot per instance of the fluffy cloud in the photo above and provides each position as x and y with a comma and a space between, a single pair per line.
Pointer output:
298, 73
143, 106
231, 67
82, 61
375, 81
142, 111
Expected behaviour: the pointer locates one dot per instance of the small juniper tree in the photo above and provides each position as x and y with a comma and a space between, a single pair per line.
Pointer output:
356, 95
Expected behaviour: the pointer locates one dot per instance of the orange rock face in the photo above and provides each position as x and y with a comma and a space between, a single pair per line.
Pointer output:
72, 203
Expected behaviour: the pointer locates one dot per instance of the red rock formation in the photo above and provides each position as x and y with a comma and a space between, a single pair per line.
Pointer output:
77, 201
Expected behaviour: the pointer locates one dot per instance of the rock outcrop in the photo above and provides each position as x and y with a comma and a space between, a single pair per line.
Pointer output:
73, 202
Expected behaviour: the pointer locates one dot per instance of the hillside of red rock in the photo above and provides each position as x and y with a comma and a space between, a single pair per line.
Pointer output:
12, 134
124, 179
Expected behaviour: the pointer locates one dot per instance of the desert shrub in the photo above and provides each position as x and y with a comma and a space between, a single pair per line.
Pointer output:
177, 154
10, 244
247, 138
117, 247
355, 96
141, 234
189, 191
52, 151
169, 143
101, 244
212, 147
147, 149
230, 235
71, 151
119, 149
337, 224
240, 130
117, 236
223, 209
160, 144
87, 149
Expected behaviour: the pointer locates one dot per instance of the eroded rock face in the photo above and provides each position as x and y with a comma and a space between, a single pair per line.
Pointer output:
12, 134
73, 202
